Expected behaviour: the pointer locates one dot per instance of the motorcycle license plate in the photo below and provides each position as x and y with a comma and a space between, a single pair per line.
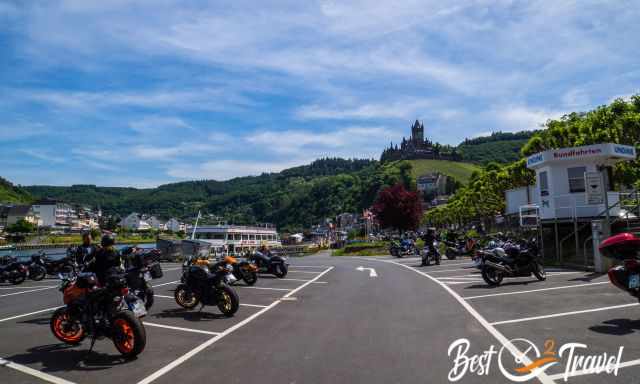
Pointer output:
138, 308
634, 281
147, 276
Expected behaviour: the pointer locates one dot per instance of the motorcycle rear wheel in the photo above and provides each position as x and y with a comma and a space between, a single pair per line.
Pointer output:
280, 270
450, 254
129, 335
249, 277
65, 328
228, 301
37, 273
185, 297
18, 278
492, 277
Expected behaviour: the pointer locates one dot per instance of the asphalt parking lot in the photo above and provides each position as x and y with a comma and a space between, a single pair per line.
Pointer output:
333, 320
31, 353
569, 307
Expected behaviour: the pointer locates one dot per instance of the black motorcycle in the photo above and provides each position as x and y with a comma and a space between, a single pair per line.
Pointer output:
514, 260
12, 271
455, 249
54, 267
142, 267
275, 265
199, 285
110, 311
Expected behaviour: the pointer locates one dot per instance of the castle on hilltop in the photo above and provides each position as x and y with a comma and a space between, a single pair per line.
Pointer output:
417, 147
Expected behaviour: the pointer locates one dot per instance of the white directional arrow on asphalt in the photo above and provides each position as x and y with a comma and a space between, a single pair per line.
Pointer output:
372, 272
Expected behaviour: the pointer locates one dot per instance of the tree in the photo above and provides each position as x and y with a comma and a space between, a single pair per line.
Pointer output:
398, 208
21, 226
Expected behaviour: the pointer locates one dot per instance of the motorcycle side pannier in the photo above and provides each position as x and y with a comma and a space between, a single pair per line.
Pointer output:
620, 247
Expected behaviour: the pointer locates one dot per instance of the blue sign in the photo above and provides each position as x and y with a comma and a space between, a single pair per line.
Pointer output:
535, 159
629, 151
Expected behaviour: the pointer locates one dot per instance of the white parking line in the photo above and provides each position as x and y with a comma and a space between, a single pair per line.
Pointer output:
33, 286
171, 282
31, 290
30, 371
459, 278
229, 330
241, 304
293, 270
311, 266
451, 270
469, 276
267, 288
515, 352
564, 314
146, 323
534, 290
461, 282
28, 314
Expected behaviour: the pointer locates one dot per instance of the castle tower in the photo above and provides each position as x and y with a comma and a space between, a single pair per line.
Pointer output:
417, 133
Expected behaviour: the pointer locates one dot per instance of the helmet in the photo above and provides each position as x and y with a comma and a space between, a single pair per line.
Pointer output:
107, 240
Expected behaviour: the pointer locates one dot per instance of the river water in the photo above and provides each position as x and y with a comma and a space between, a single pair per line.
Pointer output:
56, 253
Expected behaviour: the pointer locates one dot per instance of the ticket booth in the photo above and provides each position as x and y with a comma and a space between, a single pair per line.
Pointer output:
575, 182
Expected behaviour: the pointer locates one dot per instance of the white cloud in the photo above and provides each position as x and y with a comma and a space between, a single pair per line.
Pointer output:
406, 109
43, 155
225, 169
515, 118
158, 125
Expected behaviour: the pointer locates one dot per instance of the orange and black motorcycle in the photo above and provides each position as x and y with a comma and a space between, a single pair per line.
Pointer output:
109, 311
243, 270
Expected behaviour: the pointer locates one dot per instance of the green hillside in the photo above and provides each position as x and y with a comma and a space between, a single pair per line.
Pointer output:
292, 199
9, 193
458, 170
500, 147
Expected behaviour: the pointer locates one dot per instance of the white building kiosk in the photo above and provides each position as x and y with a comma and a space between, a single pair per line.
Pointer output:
572, 185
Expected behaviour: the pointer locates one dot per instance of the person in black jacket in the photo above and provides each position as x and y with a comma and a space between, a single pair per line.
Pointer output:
87, 251
107, 260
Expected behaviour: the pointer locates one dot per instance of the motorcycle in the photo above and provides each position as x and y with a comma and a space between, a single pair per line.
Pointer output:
457, 248
624, 248
243, 270
403, 248
36, 271
13, 271
199, 285
64, 266
110, 311
429, 255
511, 261
275, 265
142, 267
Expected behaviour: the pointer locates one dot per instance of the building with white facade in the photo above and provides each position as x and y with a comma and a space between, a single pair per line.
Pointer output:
54, 213
134, 222
174, 225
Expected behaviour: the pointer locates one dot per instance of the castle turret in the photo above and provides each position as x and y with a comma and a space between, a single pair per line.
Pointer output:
417, 133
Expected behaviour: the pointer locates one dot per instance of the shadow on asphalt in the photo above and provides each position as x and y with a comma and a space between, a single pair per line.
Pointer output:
509, 283
617, 327
189, 315
588, 278
61, 357
38, 321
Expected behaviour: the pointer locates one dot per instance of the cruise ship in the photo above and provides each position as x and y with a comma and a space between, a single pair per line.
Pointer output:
236, 239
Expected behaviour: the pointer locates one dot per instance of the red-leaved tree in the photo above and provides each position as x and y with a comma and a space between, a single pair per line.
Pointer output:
398, 208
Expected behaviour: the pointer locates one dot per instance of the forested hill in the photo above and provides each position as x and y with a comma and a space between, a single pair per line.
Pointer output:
292, 199
9, 193
501, 147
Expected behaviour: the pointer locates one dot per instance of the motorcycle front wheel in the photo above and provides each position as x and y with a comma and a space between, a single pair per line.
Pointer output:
228, 301
538, 271
129, 335
491, 276
66, 328
185, 297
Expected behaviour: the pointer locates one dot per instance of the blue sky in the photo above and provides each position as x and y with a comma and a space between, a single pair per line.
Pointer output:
142, 93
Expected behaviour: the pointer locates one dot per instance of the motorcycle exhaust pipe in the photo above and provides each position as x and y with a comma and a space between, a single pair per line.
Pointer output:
499, 267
